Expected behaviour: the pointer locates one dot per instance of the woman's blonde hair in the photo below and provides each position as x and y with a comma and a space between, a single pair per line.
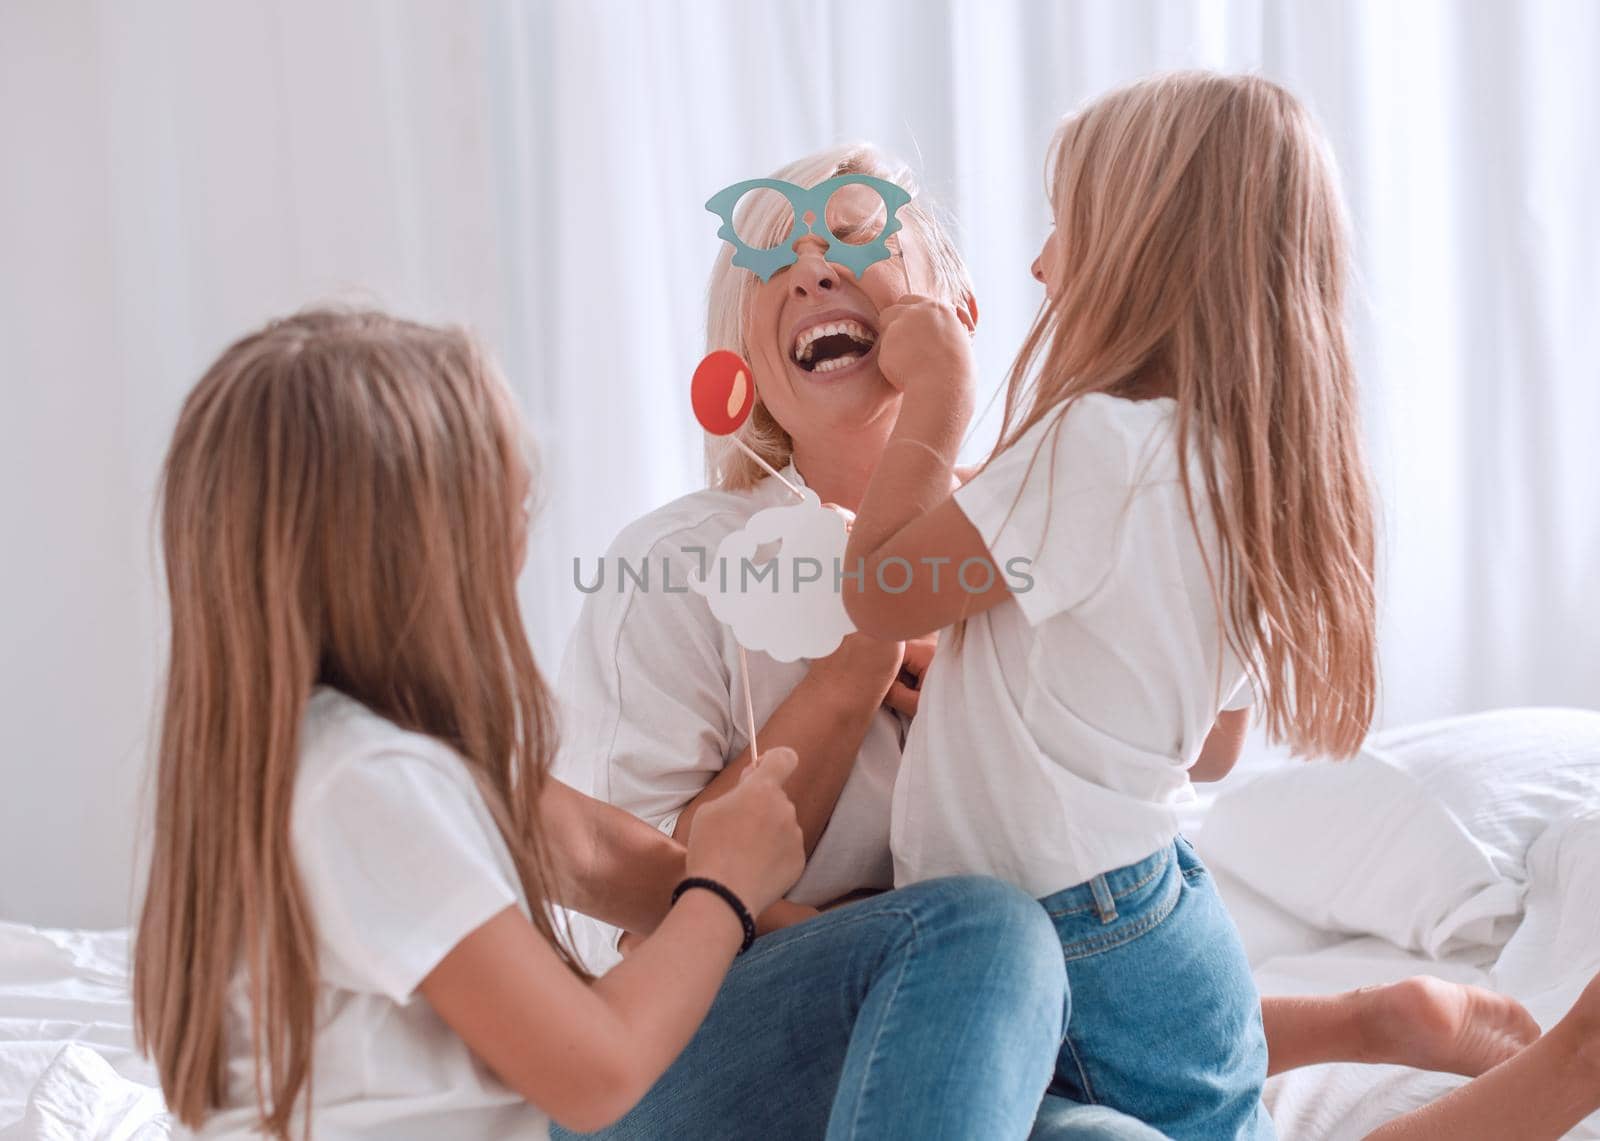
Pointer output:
764, 219
342, 505
1201, 246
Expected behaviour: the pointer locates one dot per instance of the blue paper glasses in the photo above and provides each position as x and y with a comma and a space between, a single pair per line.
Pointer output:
808, 202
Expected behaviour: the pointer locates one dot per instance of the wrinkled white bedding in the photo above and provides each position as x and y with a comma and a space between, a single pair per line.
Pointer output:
68, 1068
1545, 964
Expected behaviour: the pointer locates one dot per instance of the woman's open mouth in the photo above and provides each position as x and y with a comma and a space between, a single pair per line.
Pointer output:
833, 345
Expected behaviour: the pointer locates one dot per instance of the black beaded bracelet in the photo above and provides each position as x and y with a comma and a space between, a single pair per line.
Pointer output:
729, 898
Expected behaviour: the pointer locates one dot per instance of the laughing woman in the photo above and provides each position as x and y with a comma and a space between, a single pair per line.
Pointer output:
654, 678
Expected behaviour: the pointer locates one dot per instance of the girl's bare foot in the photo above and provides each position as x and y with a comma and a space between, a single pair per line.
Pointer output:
1432, 1024
1539, 1095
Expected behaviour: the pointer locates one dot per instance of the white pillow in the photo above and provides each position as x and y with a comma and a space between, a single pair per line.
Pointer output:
1421, 839
1506, 775
1556, 950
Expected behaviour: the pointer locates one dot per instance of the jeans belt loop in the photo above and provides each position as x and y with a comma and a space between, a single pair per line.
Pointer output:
1104, 902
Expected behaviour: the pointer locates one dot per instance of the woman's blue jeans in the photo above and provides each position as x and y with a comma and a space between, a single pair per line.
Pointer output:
930, 1012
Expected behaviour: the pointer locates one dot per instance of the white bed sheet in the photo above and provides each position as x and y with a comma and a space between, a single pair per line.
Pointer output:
68, 1067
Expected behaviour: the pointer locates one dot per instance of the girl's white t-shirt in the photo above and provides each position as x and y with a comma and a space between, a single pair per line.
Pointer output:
653, 704
399, 860
1053, 739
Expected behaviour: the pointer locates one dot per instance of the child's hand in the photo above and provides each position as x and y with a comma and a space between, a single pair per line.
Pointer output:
749, 840
924, 345
906, 691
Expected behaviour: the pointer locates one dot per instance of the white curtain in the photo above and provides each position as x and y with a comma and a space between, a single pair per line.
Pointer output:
175, 172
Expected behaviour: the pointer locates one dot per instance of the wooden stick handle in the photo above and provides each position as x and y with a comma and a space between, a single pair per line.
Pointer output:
749, 707
747, 450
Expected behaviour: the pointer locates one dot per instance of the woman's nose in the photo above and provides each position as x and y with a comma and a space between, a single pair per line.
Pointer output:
811, 274
1038, 270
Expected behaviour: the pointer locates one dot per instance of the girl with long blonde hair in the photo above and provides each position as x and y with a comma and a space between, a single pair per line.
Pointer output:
347, 929
1176, 523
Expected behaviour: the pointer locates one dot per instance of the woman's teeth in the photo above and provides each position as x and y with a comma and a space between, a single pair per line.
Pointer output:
805, 343
835, 363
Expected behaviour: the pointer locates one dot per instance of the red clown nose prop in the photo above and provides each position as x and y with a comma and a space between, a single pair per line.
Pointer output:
722, 393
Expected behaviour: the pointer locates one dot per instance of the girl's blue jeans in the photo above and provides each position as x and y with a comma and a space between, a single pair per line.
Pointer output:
1163, 1019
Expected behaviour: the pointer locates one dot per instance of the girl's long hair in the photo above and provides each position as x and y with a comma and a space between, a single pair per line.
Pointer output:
342, 505
1202, 246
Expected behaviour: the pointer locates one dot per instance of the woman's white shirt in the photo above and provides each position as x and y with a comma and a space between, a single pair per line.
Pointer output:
399, 860
1053, 739
653, 705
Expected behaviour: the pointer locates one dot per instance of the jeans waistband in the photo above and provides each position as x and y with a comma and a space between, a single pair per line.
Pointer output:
1101, 893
